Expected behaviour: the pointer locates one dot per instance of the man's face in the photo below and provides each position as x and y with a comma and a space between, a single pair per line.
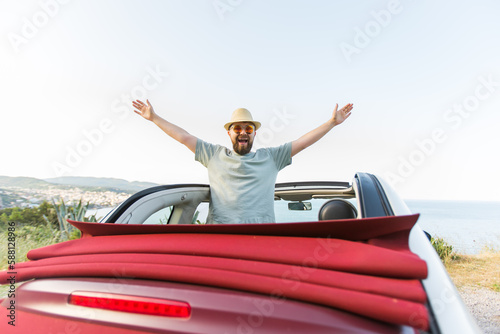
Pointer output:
242, 135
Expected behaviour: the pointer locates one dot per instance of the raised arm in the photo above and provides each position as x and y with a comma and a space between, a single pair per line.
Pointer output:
313, 136
174, 131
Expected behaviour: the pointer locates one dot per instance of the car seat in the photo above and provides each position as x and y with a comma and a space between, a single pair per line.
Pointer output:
337, 209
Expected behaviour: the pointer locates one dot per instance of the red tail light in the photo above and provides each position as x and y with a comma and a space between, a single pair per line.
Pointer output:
132, 304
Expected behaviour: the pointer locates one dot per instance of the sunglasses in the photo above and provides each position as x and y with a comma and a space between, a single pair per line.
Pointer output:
238, 128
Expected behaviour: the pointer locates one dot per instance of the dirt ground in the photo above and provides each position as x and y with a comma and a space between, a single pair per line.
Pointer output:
477, 279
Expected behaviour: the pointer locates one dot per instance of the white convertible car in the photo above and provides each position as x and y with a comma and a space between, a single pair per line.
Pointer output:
343, 257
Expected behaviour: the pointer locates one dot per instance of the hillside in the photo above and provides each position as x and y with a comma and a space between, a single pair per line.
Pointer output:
23, 182
90, 183
28, 191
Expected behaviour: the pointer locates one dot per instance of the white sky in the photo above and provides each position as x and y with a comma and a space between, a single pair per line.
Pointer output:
424, 77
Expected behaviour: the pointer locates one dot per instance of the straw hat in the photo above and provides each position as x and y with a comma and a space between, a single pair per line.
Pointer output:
242, 115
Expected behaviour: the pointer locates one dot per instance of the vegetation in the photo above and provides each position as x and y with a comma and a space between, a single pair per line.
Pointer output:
29, 216
477, 271
74, 213
27, 238
444, 250
40, 226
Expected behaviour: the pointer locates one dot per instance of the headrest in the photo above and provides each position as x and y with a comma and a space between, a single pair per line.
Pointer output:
337, 209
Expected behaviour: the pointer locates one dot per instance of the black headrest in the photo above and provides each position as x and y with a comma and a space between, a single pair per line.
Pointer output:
337, 209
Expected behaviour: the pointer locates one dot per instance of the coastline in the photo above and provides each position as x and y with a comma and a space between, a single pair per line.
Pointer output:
471, 227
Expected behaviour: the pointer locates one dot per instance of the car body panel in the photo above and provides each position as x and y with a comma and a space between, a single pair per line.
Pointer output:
213, 310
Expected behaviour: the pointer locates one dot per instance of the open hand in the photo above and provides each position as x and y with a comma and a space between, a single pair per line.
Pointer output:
145, 110
342, 114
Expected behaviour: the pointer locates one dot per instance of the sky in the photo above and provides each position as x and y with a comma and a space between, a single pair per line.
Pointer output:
424, 78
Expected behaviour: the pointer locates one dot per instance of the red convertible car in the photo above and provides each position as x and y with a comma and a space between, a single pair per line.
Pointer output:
342, 258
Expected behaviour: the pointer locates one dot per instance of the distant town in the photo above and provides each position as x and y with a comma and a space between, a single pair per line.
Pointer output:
19, 197
26, 192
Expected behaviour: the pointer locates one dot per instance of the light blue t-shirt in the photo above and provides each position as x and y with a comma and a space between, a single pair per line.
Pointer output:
242, 186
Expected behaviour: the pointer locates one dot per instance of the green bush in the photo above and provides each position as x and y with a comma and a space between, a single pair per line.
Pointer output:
29, 216
444, 249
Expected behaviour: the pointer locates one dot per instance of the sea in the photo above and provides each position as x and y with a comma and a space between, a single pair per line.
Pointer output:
470, 227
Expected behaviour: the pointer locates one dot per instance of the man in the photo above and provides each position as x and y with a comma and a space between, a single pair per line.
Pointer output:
241, 181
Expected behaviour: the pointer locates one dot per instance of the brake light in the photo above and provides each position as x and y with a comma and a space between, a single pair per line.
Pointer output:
131, 304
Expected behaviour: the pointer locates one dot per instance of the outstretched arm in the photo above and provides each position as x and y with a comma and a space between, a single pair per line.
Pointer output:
313, 136
178, 133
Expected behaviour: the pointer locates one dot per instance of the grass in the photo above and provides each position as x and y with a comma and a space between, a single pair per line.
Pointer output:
477, 271
27, 238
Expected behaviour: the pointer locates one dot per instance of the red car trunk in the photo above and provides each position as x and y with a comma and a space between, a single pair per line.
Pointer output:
363, 267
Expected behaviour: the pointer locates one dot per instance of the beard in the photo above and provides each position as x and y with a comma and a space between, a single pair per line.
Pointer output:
242, 149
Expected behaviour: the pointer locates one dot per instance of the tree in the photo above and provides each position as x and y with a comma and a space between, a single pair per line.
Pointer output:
16, 215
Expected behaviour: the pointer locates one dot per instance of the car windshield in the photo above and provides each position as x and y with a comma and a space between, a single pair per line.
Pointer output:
282, 211
286, 215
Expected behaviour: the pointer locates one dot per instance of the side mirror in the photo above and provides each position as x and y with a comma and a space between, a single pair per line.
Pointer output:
300, 206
